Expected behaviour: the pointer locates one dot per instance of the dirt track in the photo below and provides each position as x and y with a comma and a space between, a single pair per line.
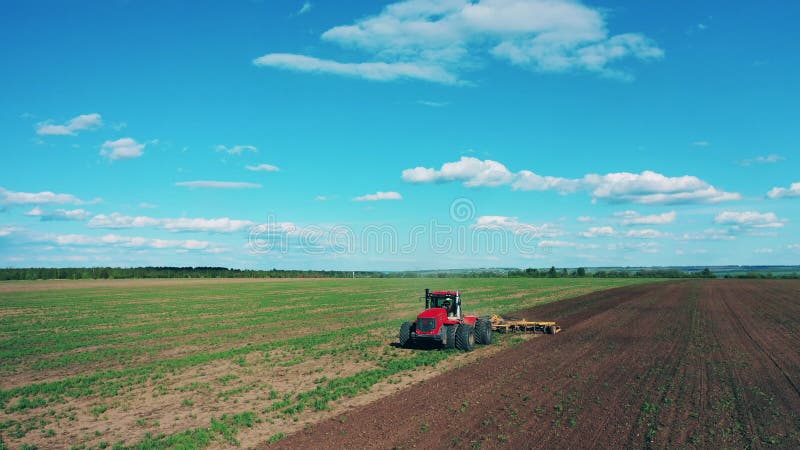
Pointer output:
711, 364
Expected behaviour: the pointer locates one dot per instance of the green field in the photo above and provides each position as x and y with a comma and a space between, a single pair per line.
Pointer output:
194, 364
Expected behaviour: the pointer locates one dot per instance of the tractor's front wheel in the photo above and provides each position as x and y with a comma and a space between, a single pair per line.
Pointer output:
405, 334
450, 336
483, 331
465, 337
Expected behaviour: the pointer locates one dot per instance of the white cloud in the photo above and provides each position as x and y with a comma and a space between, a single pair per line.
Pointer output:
709, 234
793, 247
125, 241
647, 187
763, 250
645, 247
116, 220
236, 149
79, 123
391, 195
694, 251
779, 192
321, 198
594, 232
701, 144
218, 184
147, 205
435, 41
432, 104
263, 168
471, 171
9, 198
557, 243
749, 219
769, 159
529, 181
305, 8
376, 71
124, 148
7, 230
512, 224
59, 214
646, 233
634, 218
218, 225
586, 219
654, 188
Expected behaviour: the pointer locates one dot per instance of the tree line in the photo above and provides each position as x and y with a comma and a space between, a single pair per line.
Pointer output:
79, 273
581, 272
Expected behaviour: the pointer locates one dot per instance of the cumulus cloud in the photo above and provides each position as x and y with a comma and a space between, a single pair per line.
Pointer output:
647, 187
71, 127
391, 195
125, 241
10, 198
646, 233
594, 232
59, 214
749, 219
634, 218
471, 171
512, 224
218, 225
709, 234
236, 149
263, 168
436, 41
780, 192
124, 148
218, 184
116, 220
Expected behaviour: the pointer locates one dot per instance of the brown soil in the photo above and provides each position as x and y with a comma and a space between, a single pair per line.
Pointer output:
698, 364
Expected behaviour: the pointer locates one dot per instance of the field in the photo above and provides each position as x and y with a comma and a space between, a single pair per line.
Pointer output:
221, 363
684, 364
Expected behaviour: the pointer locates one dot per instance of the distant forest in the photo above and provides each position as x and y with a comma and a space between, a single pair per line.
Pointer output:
78, 273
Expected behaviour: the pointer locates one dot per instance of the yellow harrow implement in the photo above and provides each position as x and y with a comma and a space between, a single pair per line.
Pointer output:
515, 325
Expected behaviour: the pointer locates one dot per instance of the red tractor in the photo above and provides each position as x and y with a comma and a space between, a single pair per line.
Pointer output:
443, 323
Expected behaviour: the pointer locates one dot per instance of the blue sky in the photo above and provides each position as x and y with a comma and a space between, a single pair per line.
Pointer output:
408, 135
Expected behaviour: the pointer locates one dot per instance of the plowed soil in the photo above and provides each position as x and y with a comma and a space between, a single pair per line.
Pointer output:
697, 364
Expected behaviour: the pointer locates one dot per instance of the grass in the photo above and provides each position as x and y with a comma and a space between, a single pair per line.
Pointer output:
109, 345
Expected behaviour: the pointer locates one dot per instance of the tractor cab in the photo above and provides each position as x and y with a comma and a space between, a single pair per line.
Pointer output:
448, 300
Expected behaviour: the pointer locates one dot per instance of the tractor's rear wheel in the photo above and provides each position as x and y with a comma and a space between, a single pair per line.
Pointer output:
483, 331
450, 336
465, 337
405, 334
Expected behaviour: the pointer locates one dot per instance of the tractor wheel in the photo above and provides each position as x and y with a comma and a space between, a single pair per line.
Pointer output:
405, 334
550, 330
450, 336
483, 331
465, 337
